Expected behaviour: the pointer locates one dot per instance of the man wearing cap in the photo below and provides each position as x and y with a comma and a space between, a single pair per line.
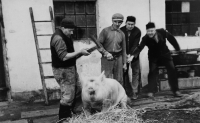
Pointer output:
155, 40
64, 66
132, 34
113, 49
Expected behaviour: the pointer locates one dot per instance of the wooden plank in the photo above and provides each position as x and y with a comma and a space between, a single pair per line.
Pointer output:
16, 121
4, 104
184, 83
181, 0
51, 119
188, 65
185, 50
39, 113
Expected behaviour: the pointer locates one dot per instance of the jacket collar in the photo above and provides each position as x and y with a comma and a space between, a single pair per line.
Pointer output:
113, 29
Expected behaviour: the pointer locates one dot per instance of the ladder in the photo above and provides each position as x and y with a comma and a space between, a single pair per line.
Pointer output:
38, 49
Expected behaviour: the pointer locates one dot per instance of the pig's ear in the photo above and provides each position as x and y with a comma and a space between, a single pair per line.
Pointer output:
102, 76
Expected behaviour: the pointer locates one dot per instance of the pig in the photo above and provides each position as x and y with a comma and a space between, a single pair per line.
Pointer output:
101, 94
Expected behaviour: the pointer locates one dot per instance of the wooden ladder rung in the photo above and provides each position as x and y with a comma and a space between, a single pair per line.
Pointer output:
44, 34
44, 48
48, 77
42, 21
45, 62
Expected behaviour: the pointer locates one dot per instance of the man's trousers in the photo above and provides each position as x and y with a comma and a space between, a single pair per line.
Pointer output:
153, 74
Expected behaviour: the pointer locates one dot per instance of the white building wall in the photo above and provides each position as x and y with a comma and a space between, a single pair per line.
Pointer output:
22, 57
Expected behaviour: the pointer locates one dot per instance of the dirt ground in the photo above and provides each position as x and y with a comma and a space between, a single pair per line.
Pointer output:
172, 116
164, 108
183, 110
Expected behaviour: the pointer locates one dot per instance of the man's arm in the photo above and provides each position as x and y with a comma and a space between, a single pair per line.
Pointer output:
61, 49
172, 41
139, 48
101, 39
74, 54
137, 40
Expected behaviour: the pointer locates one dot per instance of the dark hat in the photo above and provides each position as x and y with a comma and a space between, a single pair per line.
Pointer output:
131, 18
67, 23
150, 25
118, 17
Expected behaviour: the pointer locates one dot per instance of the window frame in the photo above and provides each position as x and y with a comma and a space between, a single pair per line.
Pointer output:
189, 26
87, 29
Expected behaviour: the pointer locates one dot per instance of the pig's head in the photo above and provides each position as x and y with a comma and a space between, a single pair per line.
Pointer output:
92, 87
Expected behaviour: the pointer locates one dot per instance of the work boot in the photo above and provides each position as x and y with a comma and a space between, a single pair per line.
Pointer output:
177, 94
134, 96
64, 113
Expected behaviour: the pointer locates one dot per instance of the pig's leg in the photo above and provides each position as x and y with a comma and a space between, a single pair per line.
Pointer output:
87, 108
123, 102
106, 105
123, 105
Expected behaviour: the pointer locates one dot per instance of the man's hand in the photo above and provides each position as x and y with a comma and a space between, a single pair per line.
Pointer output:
85, 52
130, 58
109, 56
125, 66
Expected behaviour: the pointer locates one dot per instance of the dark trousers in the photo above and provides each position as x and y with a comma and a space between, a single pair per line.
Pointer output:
153, 74
132, 86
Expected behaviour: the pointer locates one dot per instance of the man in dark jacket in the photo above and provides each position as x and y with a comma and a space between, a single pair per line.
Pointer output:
155, 40
64, 66
132, 36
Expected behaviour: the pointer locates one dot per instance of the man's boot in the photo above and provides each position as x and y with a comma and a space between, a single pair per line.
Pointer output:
64, 112
134, 96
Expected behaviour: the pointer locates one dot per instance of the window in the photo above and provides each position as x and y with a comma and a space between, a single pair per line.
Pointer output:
82, 13
182, 17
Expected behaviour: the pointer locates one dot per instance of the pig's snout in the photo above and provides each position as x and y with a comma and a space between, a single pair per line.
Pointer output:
91, 91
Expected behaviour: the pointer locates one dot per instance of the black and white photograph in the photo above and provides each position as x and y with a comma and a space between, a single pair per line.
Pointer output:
99, 61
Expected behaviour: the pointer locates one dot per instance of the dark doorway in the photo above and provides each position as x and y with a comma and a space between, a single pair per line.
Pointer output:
3, 90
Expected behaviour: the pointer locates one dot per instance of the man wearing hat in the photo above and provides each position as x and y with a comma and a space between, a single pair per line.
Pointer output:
113, 49
64, 66
132, 34
155, 40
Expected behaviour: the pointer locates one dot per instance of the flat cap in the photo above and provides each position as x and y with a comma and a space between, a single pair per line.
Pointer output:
118, 16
